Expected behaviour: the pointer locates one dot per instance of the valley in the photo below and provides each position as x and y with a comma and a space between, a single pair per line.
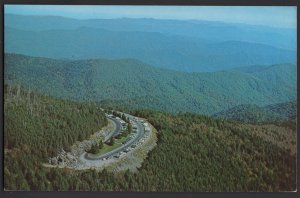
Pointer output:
129, 101
189, 46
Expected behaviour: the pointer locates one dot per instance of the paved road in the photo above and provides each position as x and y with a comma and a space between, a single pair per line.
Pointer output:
139, 135
117, 128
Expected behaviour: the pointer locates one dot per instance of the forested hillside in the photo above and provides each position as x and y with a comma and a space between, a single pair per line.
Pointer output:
207, 106
135, 84
42, 125
281, 112
205, 154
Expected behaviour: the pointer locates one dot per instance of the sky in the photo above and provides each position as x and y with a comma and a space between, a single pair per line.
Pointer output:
276, 16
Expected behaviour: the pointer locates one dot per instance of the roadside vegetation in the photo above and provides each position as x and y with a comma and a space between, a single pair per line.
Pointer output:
96, 148
113, 142
38, 126
107, 147
193, 152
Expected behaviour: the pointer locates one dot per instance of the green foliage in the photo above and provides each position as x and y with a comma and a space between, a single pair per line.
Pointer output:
277, 113
43, 125
197, 153
129, 128
123, 117
100, 145
117, 114
111, 141
134, 84
94, 149
194, 153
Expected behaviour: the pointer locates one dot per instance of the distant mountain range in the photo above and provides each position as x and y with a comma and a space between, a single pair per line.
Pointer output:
135, 84
189, 46
209, 30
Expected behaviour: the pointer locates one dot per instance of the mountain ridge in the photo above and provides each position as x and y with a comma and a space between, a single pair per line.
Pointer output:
144, 18
142, 85
171, 52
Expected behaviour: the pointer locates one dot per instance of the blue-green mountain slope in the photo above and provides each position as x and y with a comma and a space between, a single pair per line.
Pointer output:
136, 84
209, 30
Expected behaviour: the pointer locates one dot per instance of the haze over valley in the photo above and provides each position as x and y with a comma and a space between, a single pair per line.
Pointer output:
139, 103
190, 46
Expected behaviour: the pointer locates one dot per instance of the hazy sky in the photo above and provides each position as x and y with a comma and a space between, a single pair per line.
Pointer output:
278, 16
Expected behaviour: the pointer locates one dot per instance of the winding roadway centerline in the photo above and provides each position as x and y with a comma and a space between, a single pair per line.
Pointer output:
140, 133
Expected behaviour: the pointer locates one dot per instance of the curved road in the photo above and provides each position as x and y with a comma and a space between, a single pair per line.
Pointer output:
117, 128
138, 136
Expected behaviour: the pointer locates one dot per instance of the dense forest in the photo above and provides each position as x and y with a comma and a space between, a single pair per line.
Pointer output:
194, 152
135, 84
222, 97
276, 113
42, 125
